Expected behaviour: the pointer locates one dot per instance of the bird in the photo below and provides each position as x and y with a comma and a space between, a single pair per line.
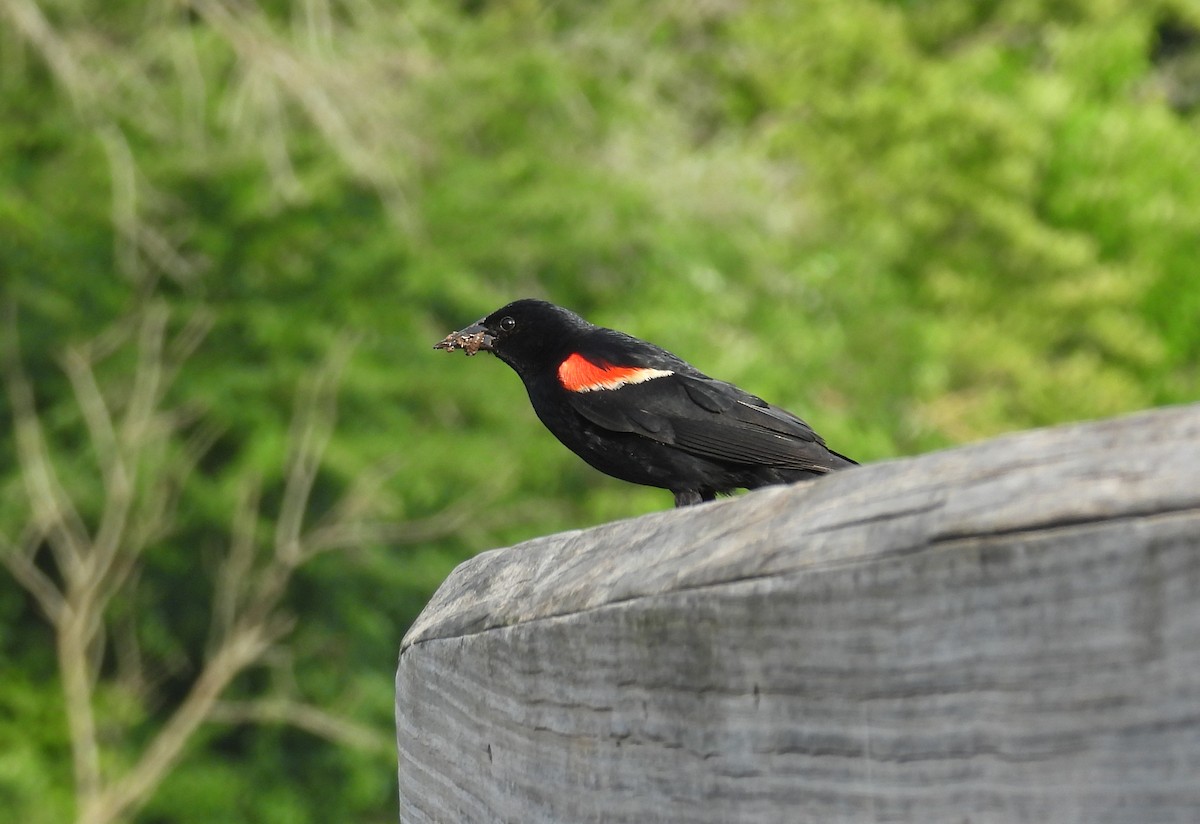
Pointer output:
636, 412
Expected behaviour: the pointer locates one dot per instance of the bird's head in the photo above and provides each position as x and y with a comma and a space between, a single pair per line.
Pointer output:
526, 334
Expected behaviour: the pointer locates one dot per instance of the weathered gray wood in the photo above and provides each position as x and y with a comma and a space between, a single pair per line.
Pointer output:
1005, 632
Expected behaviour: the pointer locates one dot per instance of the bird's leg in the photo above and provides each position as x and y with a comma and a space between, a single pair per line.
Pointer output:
686, 497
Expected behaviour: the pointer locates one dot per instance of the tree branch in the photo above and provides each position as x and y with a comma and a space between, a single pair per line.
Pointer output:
234, 575
18, 560
51, 506
311, 430
143, 459
165, 749
310, 718
74, 665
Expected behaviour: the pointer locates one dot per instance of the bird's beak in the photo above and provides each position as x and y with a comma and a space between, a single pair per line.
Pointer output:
470, 339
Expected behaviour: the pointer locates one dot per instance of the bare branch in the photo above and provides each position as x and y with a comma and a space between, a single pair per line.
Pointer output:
185, 343
107, 342
54, 514
144, 459
74, 640
131, 669
121, 463
147, 380
18, 559
261, 53
133, 237
310, 718
192, 87
98, 418
161, 498
338, 536
233, 578
124, 200
357, 501
312, 427
119, 489
346, 528
28, 19
160, 756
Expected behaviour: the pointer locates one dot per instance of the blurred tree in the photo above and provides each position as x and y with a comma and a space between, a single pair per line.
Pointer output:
80, 554
916, 222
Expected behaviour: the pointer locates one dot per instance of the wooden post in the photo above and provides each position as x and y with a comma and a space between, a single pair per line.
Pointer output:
1004, 632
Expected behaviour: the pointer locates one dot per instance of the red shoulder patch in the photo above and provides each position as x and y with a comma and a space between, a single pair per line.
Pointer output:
580, 374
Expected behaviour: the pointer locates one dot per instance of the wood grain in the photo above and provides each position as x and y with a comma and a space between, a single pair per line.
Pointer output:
1005, 632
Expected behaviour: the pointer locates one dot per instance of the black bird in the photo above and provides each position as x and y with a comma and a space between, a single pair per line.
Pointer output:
635, 411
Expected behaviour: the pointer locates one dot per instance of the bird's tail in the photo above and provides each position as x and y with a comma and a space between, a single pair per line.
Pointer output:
842, 461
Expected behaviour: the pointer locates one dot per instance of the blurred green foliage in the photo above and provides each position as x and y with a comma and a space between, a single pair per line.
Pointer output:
915, 222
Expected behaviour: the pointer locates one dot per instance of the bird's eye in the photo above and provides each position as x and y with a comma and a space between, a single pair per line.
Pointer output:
507, 324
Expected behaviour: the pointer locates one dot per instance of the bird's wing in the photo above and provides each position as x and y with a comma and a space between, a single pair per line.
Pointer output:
709, 418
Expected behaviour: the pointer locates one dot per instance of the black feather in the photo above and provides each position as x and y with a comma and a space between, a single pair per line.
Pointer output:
683, 431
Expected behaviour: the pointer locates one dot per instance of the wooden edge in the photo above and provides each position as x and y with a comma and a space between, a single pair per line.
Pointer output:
1119, 468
